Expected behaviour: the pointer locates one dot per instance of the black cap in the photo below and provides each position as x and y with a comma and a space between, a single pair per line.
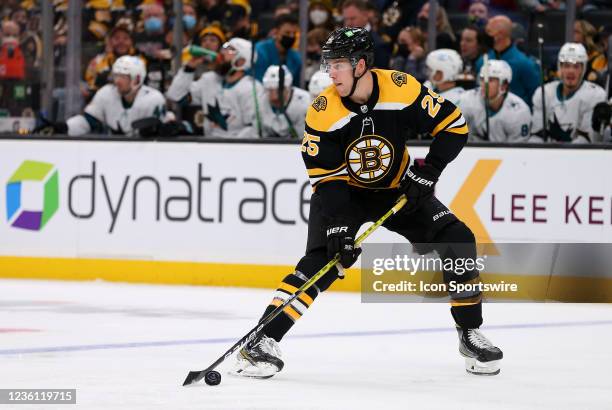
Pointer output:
349, 42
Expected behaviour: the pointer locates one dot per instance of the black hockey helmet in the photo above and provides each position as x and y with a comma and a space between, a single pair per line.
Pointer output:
349, 42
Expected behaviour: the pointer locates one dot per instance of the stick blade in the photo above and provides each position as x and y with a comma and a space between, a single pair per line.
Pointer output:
193, 377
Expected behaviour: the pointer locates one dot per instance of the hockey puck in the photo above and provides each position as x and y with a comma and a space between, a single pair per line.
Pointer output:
212, 378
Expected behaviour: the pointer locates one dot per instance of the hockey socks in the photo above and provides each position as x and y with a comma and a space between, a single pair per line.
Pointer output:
292, 312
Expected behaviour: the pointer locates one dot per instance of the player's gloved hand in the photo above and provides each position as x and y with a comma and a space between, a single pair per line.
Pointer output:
602, 113
341, 240
418, 184
47, 127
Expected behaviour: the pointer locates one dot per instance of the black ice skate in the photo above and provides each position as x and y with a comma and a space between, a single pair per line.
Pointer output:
260, 361
481, 357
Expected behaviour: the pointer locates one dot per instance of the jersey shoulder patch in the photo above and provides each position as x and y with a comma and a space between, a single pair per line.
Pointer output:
397, 87
326, 111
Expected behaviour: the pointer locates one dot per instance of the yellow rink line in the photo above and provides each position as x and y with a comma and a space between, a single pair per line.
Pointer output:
531, 287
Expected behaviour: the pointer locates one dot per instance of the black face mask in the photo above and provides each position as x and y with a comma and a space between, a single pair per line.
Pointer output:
287, 41
223, 68
242, 33
402, 50
488, 41
313, 55
423, 23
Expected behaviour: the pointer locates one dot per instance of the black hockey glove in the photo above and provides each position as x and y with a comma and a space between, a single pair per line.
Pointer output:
601, 116
341, 240
418, 184
47, 127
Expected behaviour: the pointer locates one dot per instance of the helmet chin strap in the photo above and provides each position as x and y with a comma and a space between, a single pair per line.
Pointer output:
355, 80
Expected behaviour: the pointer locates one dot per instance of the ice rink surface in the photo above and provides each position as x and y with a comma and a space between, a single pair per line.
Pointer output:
125, 346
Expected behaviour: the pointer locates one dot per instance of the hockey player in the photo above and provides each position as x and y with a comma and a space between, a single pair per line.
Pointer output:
509, 115
318, 82
444, 66
115, 107
229, 97
286, 118
569, 102
354, 149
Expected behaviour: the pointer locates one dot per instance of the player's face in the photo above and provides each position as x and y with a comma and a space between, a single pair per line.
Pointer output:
493, 88
123, 82
341, 72
570, 74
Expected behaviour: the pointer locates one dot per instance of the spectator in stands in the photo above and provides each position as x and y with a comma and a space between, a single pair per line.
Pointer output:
446, 36
150, 41
12, 62
525, 73
540, 6
228, 95
119, 43
190, 19
320, 14
210, 11
570, 102
30, 42
470, 49
356, 14
314, 41
410, 53
585, 33
279, 49
236, 20
478, 14
399, 14
283, 117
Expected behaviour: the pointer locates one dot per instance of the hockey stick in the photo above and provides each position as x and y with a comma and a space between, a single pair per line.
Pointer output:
197, 375
255, 96
485, 61
541, 57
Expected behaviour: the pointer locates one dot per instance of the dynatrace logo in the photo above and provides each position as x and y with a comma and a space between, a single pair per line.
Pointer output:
33, 177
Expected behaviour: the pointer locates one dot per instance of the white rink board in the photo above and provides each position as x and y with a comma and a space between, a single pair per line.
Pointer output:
254, 199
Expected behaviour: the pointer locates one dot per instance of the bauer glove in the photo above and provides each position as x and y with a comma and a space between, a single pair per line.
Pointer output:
341, 240
418, 184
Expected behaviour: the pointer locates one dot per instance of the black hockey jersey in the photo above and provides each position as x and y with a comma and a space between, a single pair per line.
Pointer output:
365, 145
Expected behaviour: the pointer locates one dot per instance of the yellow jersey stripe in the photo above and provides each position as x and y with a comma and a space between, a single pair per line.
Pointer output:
459, 130
313, 172
453, 116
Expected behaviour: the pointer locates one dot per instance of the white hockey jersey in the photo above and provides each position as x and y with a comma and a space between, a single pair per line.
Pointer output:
569, 119
108, 108
452, 94
229, 111
291, 123
509, 124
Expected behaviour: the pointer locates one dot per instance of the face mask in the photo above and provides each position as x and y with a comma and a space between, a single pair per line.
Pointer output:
153, 25
287, 42
318, 16
402, 50
488, 41
313, 55
189, 21
422, 23
242, 32
477, 21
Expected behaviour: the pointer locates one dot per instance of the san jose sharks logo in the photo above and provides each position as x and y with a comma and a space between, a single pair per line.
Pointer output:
216, 116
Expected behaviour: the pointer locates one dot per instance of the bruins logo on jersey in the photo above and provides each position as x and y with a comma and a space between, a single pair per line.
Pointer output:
320, 103
399, 78
369, 158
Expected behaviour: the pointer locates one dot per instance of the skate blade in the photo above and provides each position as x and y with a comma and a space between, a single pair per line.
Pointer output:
473, 366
